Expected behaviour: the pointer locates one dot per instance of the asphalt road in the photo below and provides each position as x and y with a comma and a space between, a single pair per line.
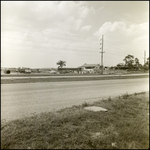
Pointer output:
71, 76
27, 99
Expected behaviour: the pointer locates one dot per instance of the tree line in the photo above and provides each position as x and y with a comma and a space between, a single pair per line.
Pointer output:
133, 63
130, 62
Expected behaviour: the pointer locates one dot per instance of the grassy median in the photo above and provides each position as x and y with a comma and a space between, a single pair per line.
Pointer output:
124, 126
62, 79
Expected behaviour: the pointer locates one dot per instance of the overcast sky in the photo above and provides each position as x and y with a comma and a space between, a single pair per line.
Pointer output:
38, 34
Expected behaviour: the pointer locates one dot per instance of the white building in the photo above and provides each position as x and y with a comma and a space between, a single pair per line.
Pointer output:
89, 68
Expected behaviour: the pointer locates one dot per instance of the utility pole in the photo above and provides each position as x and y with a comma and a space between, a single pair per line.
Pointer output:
144, 57
102, 39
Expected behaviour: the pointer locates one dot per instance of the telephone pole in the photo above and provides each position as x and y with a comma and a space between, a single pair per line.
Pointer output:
144, 57
102, 39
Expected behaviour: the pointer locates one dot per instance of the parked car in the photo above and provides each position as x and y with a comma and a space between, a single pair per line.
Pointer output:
53, 72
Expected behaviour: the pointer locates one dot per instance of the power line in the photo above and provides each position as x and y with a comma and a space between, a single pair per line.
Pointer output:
53, 37
118, 53
112, 53
49, 52
57, 38
33, 20
39, 41
49, 48
42, 28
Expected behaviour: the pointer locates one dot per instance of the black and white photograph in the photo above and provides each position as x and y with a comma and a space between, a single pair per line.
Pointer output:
74, 74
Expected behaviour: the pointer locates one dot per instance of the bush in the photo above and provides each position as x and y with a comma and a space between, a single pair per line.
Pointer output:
85, 104
109, 99
125, 96
7, 71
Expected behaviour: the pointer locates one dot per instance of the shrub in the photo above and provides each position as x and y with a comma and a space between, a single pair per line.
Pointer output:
109, 99
7, 71
85, 104
125, 96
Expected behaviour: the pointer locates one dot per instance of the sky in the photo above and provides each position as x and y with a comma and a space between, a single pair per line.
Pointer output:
37, 34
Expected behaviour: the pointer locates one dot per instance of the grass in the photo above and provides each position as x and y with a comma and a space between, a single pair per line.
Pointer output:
125, 96
124, 126
62, 79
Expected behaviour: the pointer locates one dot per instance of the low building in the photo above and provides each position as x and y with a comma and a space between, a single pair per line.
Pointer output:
89, 68
36, 70
23, 70
69, 70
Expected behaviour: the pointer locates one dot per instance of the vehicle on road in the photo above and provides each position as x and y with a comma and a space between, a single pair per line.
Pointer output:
53, 72
24, 70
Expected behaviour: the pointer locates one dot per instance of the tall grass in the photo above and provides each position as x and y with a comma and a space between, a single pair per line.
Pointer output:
125, 96
124, 126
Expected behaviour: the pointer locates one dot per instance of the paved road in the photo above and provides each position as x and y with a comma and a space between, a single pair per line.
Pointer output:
76, 76
25, 99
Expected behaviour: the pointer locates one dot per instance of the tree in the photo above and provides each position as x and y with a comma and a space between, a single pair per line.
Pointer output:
61, 63
7, 71
137, 64
129, 61
146, 65
147, 62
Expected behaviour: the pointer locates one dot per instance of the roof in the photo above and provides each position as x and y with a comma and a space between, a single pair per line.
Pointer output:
90, 65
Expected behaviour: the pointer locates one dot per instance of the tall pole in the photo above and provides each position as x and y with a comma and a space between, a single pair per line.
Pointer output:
144, 57
102, 53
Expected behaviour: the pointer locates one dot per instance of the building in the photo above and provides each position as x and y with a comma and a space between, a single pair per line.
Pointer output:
84, 69
89, 68
69, 70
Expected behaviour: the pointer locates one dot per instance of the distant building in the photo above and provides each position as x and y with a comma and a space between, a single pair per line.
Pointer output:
89, 68
69, 70
23, 70
36, 70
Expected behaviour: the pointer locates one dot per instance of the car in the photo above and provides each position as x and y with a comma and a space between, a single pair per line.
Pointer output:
53, 72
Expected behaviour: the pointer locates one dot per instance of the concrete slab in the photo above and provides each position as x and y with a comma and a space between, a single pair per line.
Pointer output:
95, 108
97, 135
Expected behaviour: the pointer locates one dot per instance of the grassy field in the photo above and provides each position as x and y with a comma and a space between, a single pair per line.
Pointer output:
124, 126
61, 79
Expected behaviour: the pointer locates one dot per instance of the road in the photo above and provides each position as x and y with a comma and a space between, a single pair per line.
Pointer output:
26, 99
76, 76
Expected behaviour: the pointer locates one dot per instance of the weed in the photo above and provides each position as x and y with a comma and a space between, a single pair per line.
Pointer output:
142, 93
85, 104
109, 99
125, 96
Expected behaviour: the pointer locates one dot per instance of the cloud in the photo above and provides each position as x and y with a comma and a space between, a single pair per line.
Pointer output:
45, 14
86, 28
121, 38
48, 22
122, 29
